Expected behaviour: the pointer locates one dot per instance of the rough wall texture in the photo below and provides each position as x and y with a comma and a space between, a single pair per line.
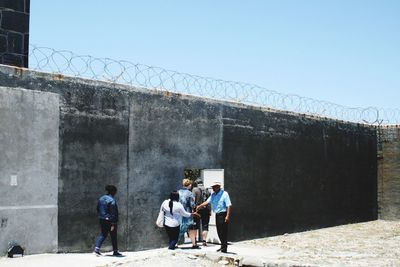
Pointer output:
93, 152
300, 173
142, 142
29, 122
166, 135
389, 174
284, 172
93, 146
14, 32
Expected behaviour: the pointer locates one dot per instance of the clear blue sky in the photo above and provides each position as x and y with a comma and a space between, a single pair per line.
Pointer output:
343, 51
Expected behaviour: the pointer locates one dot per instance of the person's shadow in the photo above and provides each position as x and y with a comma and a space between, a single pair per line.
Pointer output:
119, 256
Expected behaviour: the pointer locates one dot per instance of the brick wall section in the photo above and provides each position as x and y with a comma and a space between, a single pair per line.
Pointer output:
388, 174
14, 32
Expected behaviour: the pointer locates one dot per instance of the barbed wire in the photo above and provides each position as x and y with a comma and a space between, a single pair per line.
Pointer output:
125, 72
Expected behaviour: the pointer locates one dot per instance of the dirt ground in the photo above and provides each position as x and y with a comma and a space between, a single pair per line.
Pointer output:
375, 243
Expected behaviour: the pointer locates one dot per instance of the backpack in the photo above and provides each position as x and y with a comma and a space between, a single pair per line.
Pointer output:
205, 193
15, 250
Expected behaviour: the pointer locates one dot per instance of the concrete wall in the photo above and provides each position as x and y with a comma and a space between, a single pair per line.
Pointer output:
389, 174
290, 173
300, 173
93, 147
29, 122
166, 135
14, 32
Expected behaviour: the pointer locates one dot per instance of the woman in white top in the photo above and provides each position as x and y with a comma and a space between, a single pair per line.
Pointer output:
173, 211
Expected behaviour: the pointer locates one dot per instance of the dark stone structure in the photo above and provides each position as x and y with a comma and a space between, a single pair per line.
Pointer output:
14, 32
290, 173
285, 172
388, 174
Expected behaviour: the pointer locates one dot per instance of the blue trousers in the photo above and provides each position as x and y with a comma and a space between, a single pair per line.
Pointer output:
105, 227
173, 234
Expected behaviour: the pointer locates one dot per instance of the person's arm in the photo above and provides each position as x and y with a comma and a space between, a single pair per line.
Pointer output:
204, 204
182, 211
228, 204
228, 213
113, 209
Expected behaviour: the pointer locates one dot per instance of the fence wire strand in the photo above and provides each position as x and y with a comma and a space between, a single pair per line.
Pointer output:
135, 74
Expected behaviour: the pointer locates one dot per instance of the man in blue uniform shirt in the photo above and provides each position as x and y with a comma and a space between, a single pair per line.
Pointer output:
222, 206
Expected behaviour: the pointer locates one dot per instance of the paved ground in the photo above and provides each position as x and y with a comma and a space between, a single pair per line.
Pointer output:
374, 243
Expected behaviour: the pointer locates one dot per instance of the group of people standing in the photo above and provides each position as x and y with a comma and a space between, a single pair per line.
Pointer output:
185, 211
189, 208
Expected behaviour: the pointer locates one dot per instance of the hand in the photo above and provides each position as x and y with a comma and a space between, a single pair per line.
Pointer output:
195, 214
227, 219
112, 228
199, 207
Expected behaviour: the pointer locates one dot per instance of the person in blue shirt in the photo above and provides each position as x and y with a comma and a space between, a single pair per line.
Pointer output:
188, 225
222, 206
107, 211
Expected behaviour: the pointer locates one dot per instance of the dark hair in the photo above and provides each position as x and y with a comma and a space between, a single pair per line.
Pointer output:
174, 196
111, 189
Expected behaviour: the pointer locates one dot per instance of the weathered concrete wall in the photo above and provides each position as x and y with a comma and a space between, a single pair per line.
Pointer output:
389, 174
284, 172
93, 151
166, 135
93, 146
139, 140
29, 122
14, 32
289, 173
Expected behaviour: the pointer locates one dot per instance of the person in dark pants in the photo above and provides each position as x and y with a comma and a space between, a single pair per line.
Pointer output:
107, 211
222, 206
201, 194
173, 211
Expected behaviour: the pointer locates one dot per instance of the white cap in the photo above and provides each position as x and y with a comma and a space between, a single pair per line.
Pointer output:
216, 184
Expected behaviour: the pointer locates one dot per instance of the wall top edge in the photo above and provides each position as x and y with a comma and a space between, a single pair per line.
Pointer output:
26, 73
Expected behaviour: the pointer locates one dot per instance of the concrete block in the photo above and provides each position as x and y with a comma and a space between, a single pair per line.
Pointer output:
34, 228
16, 5
29, 122
15, 21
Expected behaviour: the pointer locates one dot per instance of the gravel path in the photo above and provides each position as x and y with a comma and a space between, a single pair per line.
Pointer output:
375, 243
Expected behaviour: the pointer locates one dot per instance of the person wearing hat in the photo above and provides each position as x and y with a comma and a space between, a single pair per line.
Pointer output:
222, 206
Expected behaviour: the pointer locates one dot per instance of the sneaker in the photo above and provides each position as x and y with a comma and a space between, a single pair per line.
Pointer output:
195, 246
117, 254
97, 253
204, 244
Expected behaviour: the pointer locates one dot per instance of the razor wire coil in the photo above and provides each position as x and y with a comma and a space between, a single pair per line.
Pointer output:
135, 74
